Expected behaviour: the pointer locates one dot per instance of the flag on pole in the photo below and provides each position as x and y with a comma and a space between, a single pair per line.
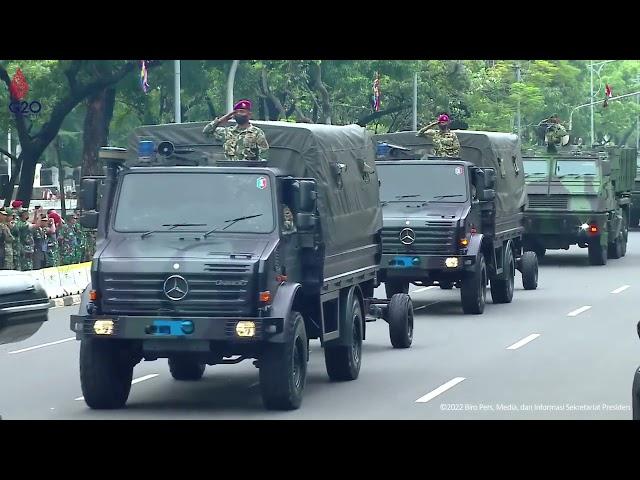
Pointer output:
607, 94
376, 93
19, 86
144, 83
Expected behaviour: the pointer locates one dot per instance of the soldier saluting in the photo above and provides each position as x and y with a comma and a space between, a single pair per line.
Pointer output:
243, 141
445, 142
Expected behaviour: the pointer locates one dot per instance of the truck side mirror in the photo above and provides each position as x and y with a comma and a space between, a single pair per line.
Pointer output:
490, 178
4, 186
89, 220
486, 195
305, 222
305, 196
606, 168
89, 194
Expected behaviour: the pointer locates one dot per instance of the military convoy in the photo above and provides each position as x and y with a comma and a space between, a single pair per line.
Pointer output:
209, 272
454, 221
251, 260
579, 197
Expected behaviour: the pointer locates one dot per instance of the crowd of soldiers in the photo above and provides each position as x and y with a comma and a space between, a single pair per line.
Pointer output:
31, 240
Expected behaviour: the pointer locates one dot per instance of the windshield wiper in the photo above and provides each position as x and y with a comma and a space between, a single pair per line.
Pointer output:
172, 225
231, 222
400, 197
448, 196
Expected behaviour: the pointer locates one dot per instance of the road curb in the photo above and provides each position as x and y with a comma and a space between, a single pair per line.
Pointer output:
65, 301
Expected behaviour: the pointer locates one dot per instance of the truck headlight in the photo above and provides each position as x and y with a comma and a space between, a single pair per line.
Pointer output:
246, 329
103, 327
451, 262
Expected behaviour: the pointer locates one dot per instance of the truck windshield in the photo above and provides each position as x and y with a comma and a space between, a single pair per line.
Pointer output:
420, 183
575, 168
147, 201
536, 168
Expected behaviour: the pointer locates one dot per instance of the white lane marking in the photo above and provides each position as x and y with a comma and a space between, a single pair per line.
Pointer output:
524, 341
579, 311
43, 345
425, 306
423, 289
133, 382
441, 389
621, 289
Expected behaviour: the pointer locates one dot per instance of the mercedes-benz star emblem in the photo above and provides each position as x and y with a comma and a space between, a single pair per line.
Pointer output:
176, 288
407, 236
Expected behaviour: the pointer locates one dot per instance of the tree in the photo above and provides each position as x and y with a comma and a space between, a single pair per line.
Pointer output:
71, 82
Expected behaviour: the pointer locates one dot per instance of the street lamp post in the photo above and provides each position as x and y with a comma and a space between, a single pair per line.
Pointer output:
591, 65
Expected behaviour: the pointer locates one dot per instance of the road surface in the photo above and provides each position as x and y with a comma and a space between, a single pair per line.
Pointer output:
565, 351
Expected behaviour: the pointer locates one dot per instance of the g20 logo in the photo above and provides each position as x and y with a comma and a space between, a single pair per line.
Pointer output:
25, 108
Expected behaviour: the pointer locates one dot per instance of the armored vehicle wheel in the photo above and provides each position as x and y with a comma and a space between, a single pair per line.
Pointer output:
473, 291
396, 286
400, 318
529, 270
615, 249
446, 285
597, 253
283, 368
343, 361
502, 288
106, 372
186, 369
625, 235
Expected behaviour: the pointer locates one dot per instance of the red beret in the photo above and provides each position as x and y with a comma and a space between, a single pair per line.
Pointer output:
243, 105
16, 203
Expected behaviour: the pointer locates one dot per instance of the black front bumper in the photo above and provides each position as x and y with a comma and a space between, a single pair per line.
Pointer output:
160, 328
419, 266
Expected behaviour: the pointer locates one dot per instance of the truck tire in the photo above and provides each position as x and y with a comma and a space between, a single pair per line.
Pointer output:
529, 270
446, 285
400, 318
625, 234
502, 288
105, 373
283, 368
597, 253
615, 249
343, 361
473, 291
185, 368
396, 286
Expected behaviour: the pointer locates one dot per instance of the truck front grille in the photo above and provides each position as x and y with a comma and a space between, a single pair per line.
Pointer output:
222, 291
555, 202
436, 238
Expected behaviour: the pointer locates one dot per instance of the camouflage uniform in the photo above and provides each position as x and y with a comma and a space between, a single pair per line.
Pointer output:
555, 133
287, 220
91, 245
53, 250
38, 235
17, 244
239, 143
445, 144
27, 244
6, 240
69, 244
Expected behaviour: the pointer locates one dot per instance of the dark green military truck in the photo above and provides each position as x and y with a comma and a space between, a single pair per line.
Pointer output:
579, 197
207, 262
635, 202
454, 221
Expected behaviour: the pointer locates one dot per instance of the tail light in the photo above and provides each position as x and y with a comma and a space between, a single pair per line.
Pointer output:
593, 229
93, 295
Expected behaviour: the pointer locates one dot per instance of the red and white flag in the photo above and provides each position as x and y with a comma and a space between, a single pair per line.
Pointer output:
607, 94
